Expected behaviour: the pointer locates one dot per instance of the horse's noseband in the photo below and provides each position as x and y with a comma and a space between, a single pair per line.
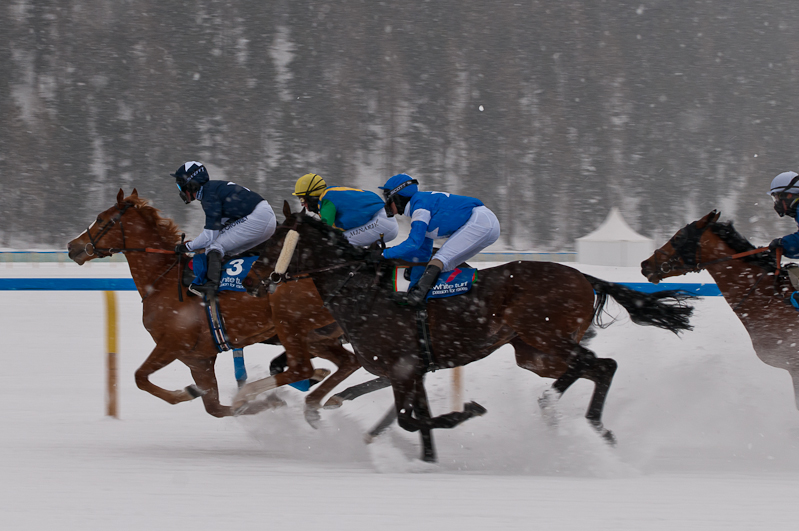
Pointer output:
686, 250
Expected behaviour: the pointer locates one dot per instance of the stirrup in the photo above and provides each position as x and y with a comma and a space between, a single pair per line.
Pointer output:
205, 289
405, 300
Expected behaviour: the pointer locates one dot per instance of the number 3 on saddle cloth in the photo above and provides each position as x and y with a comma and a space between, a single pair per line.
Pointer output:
234, 271
449, 283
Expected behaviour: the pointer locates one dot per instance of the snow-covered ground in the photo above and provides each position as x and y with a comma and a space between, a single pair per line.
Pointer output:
708, 437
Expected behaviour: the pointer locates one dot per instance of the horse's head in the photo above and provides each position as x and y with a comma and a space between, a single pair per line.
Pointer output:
103, 234
302, 243
681, 254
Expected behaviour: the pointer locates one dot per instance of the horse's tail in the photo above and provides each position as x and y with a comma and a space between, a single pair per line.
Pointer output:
664, 309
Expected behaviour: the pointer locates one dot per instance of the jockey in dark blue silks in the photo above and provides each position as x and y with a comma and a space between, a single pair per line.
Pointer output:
785, 193
236, 219
470, 226
360, 214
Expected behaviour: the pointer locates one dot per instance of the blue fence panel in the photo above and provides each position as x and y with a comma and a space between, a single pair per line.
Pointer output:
126, 284
68, 284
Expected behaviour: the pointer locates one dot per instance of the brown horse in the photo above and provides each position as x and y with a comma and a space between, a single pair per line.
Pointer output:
542, 309
747, 284
180, 329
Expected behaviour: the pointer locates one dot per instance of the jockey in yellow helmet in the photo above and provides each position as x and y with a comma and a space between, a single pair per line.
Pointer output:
360, 214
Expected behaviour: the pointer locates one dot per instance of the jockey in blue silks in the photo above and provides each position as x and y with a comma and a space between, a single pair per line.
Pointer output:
785, 193
236, 219
470, 226
360, 214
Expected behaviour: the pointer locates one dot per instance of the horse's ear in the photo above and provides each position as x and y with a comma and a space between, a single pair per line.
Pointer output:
715, 216
710, 218
286, 209
135, 193
120, 196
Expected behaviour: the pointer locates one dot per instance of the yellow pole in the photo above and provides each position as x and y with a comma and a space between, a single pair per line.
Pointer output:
111, 349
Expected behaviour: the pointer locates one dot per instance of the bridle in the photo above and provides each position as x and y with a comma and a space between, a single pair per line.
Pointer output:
686, 258
687, 252
102, 252
91, 248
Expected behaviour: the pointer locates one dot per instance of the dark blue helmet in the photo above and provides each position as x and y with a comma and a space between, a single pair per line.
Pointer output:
190, 177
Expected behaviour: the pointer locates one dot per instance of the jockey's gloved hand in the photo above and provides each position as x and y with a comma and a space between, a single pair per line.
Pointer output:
775, 243
373, 256
181, 248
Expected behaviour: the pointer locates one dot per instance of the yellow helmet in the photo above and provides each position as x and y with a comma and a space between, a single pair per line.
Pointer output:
309, 185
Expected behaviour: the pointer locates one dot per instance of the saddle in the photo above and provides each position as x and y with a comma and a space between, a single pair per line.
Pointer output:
449, 283
234, 270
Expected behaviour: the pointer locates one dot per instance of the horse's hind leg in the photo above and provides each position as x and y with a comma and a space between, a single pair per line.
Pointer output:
346, 364
601, 373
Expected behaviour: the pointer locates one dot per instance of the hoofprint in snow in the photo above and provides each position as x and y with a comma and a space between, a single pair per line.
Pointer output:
708, 437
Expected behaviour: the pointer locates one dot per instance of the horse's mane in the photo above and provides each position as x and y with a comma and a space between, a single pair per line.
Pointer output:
739, 244
167, 229
336, 236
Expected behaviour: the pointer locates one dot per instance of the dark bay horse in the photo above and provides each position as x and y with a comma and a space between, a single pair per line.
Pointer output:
542, 309
180, 329
747, 283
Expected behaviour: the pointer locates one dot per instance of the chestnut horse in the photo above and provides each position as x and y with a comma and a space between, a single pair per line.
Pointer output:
747, 284
543, 309
180, 329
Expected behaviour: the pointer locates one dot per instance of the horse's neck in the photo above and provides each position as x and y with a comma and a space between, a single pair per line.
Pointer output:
735, 278
147, 268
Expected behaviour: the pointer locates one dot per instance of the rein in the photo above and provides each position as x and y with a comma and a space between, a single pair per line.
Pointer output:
306, 274
703, 265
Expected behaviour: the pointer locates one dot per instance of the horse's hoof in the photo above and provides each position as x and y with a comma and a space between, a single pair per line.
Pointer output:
475, 409
334, 402
319, 375
547, 404
313, 417
194, 392
604, 433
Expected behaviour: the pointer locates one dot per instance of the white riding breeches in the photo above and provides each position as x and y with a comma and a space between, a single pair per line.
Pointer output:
369, 233
247, 232
480, 231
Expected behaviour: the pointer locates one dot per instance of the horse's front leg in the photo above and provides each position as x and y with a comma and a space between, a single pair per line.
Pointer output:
410, 398
159, 358
202, 370
422, 408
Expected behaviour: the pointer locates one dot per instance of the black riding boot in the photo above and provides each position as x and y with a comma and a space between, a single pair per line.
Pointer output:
212, 275
416, 295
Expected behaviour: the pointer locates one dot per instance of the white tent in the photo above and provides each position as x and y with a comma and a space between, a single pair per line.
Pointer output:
614, 243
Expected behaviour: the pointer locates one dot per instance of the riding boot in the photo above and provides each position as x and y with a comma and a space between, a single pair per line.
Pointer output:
417, 294
212, 275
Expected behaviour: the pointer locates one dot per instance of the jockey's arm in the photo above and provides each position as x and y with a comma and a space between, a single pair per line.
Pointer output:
203, 240
327, 211
410, 249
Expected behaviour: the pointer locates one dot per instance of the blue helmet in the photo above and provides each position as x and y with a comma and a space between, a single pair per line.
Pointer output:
402, 184
398, 191
190, 177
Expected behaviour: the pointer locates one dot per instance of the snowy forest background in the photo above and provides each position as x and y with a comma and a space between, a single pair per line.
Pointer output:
666, 109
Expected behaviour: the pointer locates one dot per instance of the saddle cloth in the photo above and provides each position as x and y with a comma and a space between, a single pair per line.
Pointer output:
233, 271
449, 283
